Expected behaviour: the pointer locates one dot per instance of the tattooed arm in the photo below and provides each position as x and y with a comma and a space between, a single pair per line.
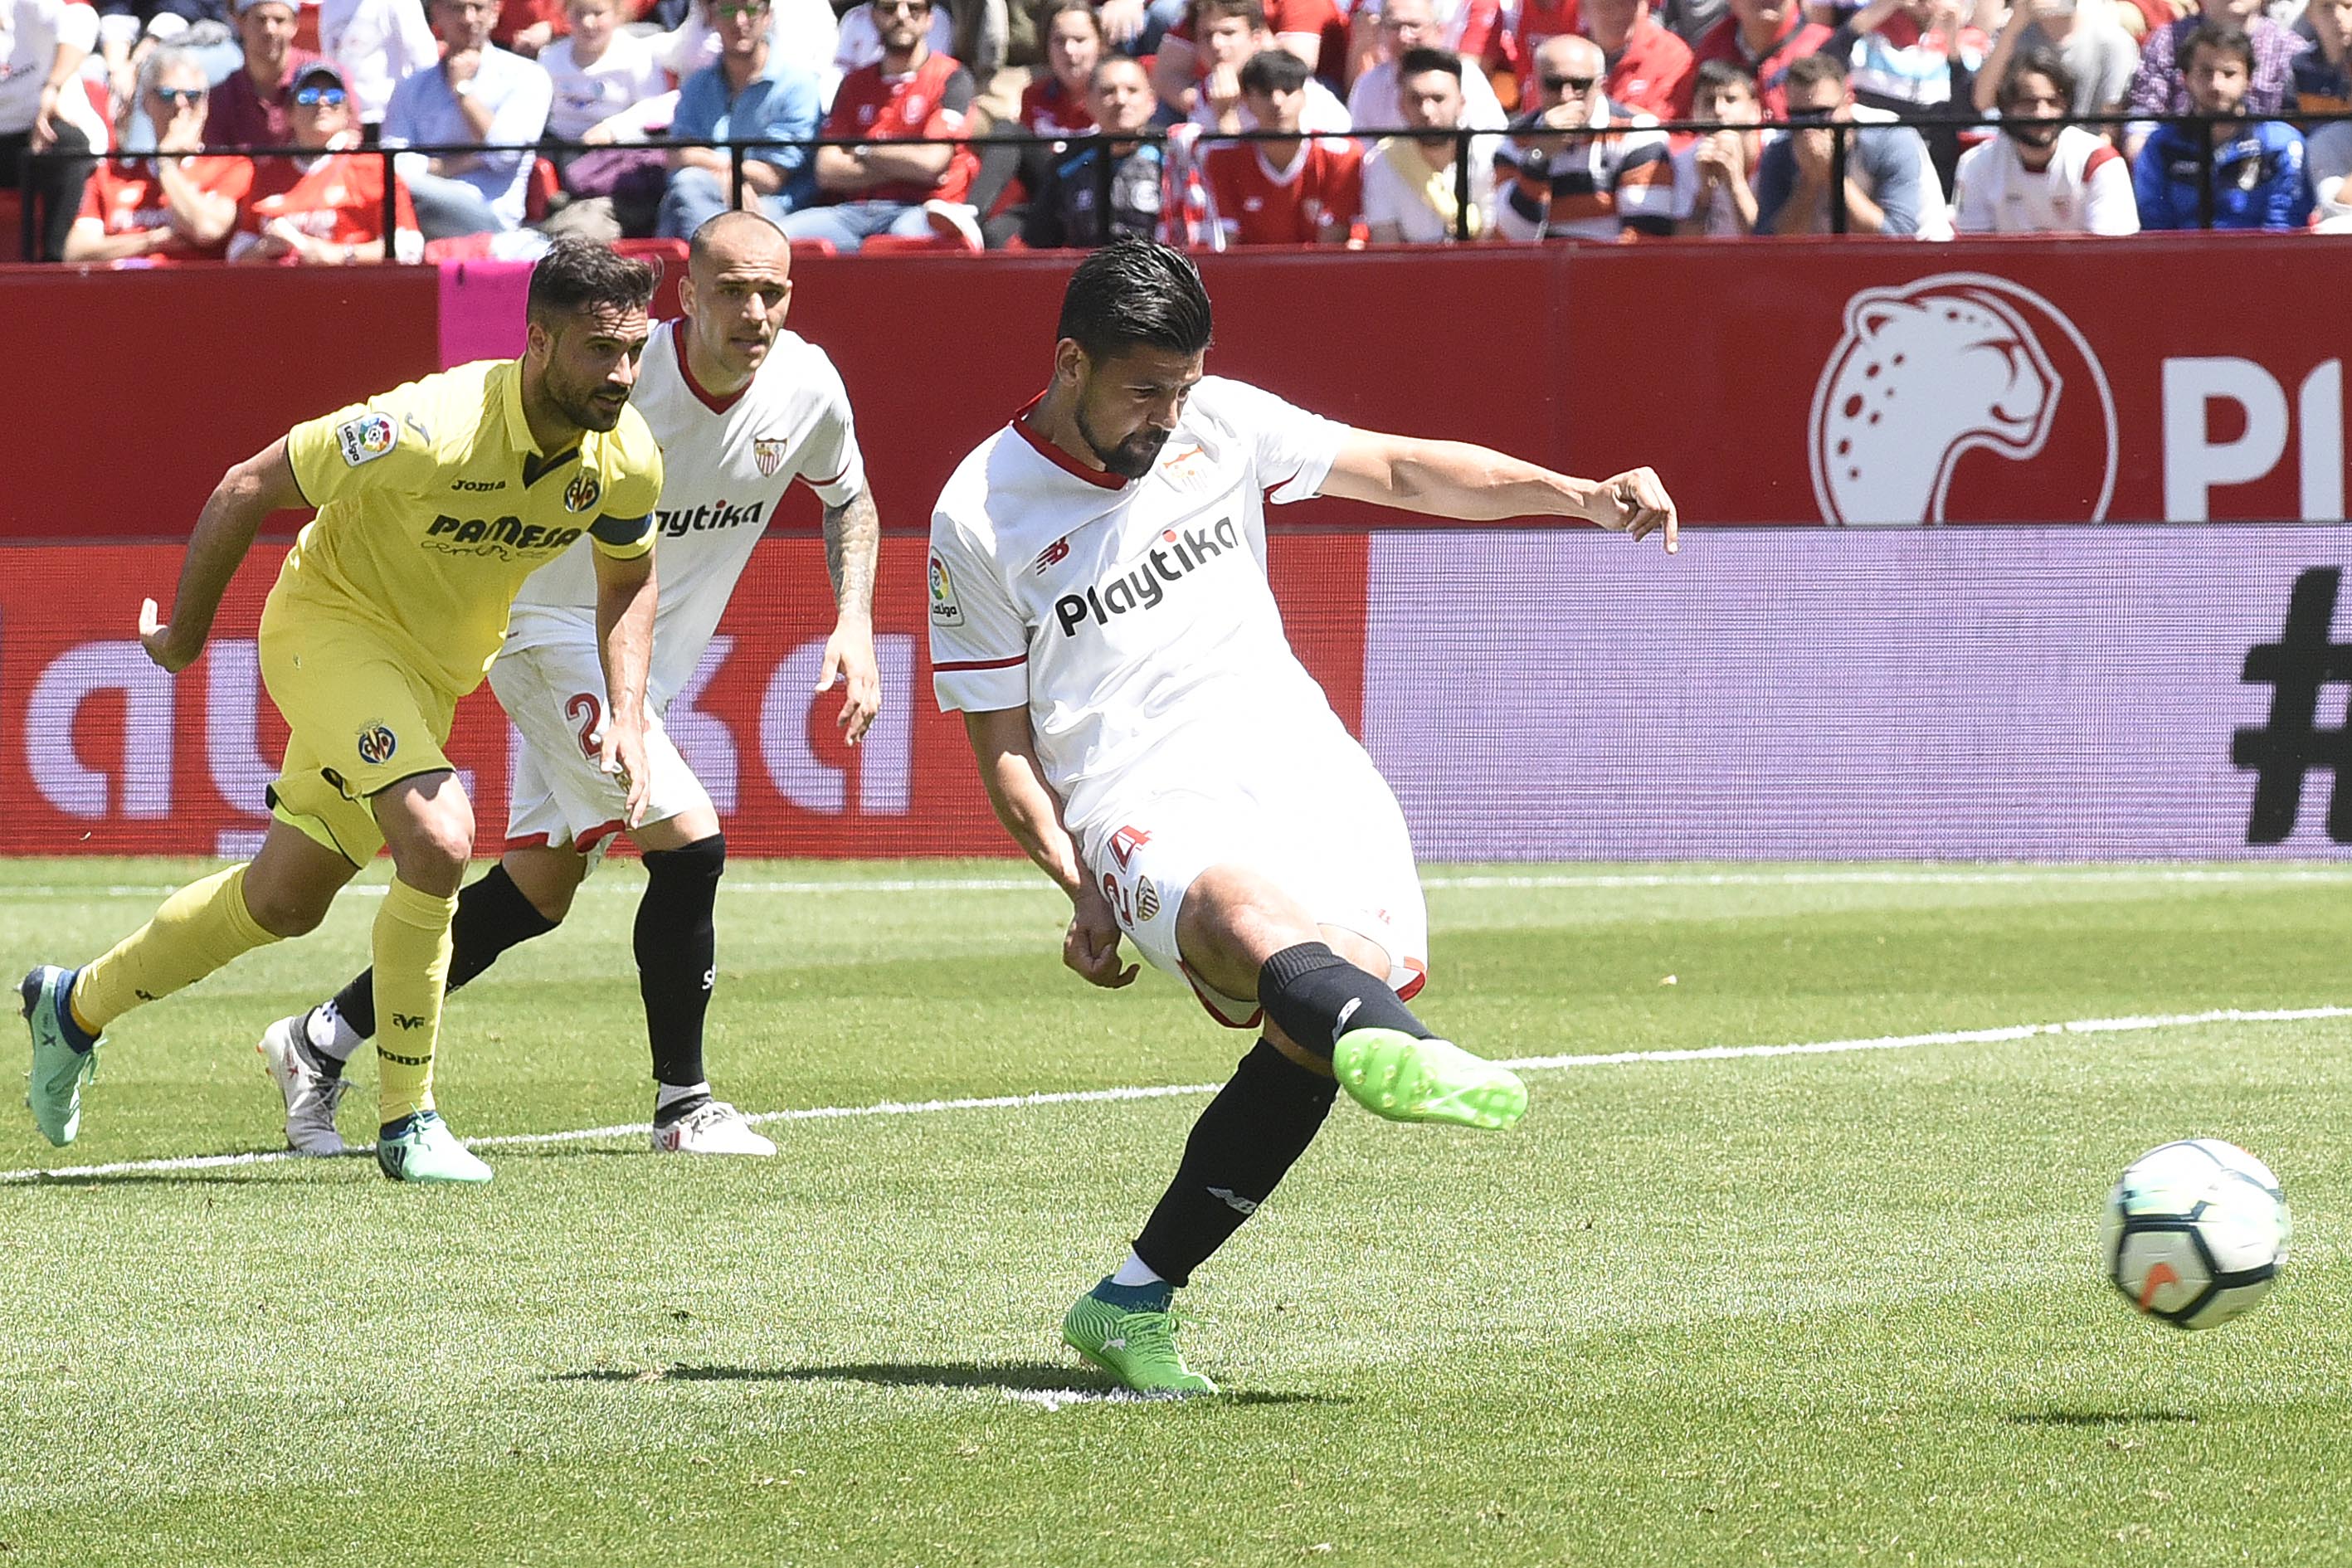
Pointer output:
853, 543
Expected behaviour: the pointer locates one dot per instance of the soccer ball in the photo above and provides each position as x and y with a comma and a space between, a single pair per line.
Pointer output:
2196, 1233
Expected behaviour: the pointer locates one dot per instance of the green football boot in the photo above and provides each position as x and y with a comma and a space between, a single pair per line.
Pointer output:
60, 1065
1136, 1346
420, 1148
1405, 1080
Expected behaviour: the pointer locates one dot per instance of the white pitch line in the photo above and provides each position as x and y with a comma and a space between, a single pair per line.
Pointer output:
1858, 877
1166, 1091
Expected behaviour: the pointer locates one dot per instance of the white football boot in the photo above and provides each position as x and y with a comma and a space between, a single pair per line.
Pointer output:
714, 1127
310, 1095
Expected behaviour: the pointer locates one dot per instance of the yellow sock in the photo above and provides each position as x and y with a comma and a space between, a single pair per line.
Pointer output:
198, 930
412, 969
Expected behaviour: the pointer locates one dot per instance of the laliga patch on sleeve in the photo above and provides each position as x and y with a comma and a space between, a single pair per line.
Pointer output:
945, 611
366, 439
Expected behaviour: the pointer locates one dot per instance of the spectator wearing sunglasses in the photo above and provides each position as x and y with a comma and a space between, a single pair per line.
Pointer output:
177, 204
479, 93
1578, 166
900, 175
1887, 175
326, 210
752, 94
253, 106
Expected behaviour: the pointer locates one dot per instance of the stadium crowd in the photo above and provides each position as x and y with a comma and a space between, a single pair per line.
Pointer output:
993, 123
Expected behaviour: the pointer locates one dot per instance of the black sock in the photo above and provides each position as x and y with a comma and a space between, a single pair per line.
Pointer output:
1252, 1133
492, 916
1314, 995
678, 953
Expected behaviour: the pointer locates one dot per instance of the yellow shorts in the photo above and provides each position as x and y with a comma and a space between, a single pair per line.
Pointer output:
361, 717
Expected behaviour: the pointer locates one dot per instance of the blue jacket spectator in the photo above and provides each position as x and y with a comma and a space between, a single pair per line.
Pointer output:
481, 93
751, 95
2259, 178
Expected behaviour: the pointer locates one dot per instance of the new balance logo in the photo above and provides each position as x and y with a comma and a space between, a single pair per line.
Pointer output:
1234, 1200
408, 1020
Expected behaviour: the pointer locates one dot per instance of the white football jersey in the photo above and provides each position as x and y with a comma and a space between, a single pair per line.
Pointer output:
726, 464
2086, 189
1132, 617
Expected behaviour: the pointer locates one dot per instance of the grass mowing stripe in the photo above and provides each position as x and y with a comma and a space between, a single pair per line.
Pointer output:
1164, 1092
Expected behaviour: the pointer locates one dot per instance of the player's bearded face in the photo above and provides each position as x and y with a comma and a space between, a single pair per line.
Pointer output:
1127, 406
593, 364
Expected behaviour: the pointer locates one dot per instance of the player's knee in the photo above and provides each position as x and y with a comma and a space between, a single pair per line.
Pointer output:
286, 911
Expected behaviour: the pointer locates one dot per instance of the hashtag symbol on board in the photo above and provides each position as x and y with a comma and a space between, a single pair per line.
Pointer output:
2298, 668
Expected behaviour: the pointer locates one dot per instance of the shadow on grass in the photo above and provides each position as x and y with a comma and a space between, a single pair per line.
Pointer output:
1013, 1377
2101, 1418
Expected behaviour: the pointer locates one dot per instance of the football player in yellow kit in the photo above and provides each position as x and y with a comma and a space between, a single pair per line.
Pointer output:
435, 502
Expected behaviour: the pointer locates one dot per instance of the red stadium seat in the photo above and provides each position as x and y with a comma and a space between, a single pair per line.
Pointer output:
546, 184
669, 253
12, 226
914, 245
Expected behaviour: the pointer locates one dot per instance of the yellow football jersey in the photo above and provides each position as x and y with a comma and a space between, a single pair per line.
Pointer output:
435, 504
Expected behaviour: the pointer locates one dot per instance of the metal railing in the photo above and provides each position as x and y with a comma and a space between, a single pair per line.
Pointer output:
1465, 141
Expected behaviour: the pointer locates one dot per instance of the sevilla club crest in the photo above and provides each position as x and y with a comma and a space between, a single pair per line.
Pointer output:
769, 453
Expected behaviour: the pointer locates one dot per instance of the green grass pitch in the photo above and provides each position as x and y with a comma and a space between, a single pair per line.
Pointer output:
1826, 1307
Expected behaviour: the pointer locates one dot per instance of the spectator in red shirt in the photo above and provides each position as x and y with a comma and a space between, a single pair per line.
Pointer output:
875, 187
326, 210
1228, 32
1527, 26
1649, 67
254, 107
174, 205
1054, 103
526, 26
1764, 38
1291, 192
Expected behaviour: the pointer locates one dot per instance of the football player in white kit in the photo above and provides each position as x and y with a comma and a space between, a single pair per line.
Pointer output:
1100, 614
742, 409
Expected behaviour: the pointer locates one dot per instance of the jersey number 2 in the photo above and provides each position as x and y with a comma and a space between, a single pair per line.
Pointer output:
585, 710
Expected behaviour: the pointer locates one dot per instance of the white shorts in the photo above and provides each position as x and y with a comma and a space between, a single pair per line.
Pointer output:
555, 695
1330, 834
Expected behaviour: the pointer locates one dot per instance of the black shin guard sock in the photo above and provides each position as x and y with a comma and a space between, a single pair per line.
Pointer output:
1250, 1135
493, 915
678, 953
1314, 995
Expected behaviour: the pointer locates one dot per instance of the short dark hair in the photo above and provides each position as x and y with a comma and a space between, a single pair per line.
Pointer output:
2220, 37
1136, 293
1273, 70
582, 275
2040, 60
1094, 77
1207, 11
1715, 75
1420, 58
1813, 69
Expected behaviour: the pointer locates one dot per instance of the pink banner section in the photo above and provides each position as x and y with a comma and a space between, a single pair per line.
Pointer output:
1995, 693
481, 310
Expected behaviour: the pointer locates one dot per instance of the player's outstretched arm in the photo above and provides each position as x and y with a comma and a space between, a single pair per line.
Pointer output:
853, 546
246, 494
1478, 484
1006, 748
627, 595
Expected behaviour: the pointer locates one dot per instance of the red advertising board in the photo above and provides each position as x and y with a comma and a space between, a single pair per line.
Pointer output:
104, 754
2164, 377
2170, 378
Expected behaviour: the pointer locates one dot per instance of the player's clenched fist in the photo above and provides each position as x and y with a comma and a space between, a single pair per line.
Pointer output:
1636, 502
156, 639
1091, 947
